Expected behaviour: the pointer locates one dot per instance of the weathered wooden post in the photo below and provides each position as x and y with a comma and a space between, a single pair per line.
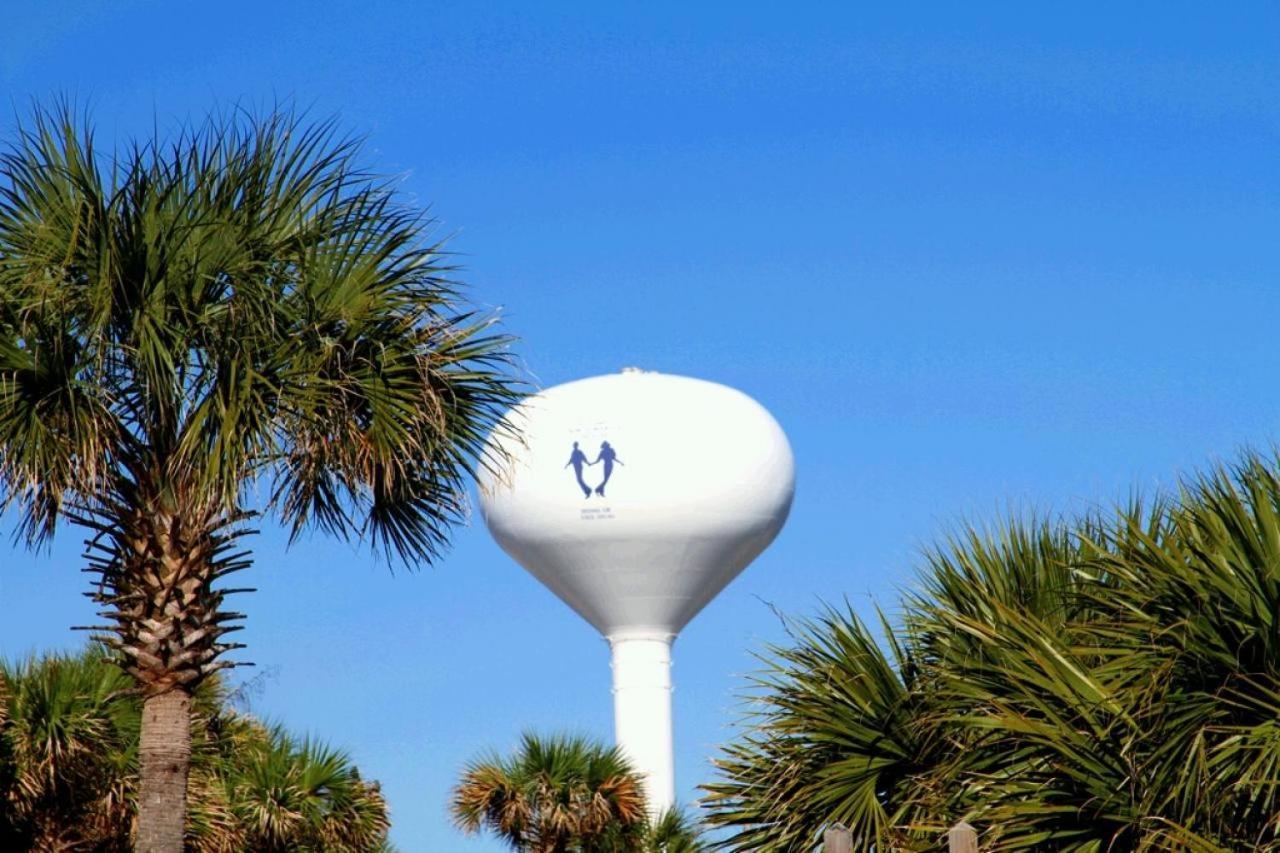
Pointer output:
837, 839
962, 838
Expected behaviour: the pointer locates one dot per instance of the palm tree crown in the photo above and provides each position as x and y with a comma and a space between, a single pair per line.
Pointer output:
566, 795
554, 792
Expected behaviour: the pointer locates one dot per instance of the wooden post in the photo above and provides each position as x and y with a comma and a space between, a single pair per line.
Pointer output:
962, 838
837, 839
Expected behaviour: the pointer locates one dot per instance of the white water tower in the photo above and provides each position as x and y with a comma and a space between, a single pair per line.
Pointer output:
636, 497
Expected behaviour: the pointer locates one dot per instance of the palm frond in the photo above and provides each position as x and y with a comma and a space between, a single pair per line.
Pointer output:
1110, 682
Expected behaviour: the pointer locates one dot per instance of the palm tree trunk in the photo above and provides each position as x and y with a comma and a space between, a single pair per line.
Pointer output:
164, 757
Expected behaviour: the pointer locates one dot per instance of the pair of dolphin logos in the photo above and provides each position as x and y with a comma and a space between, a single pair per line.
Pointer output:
608, 457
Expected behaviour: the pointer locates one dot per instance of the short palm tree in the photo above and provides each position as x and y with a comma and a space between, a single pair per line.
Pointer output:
289, 795
554, 795
240, 305
69, 730
63, 732
1109, 683
673, 832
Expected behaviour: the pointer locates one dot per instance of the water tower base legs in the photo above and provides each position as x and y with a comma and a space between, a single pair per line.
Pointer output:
642, 711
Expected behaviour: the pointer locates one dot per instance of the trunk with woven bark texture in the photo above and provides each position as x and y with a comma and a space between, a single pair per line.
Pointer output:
164, 756
157, 572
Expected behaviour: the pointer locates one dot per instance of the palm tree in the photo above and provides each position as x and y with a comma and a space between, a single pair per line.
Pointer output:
238, 305
63, 729
673, 832
830, 738
290, 795
555, 795
1108, 683
69, 730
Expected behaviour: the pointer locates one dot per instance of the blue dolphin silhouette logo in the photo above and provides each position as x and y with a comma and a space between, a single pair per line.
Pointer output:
608, 457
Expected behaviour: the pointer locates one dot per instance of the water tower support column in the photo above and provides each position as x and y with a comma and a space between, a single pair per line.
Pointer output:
642, 711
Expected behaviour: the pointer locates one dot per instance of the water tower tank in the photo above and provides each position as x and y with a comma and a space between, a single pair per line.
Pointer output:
636, 497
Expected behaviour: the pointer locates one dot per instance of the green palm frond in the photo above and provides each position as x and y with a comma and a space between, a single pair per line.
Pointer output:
828, 738
674, 832
1108, 683
288, 794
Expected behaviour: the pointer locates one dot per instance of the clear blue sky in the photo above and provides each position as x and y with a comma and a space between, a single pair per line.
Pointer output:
972, 260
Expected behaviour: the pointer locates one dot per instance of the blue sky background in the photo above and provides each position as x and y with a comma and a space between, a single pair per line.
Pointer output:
974, 261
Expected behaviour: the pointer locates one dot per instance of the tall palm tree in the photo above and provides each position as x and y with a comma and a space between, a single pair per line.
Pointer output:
1109, 683
189, 318
554, 795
